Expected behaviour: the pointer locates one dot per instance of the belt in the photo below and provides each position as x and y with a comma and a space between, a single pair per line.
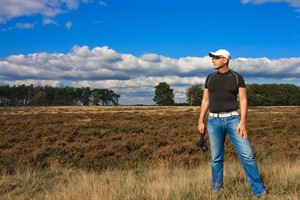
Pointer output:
224, 114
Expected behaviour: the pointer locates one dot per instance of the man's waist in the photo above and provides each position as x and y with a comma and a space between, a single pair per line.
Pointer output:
224, 114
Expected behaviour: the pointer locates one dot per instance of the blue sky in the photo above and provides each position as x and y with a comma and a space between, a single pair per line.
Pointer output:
132, 45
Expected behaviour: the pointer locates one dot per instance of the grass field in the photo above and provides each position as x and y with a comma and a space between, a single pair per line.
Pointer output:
137, 153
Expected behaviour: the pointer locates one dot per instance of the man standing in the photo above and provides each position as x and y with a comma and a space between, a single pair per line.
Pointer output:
221, 93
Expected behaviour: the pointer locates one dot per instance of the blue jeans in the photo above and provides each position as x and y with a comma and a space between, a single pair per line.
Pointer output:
217, 129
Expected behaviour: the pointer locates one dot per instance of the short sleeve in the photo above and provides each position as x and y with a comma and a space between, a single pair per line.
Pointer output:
206, 83
208, 79
241, 81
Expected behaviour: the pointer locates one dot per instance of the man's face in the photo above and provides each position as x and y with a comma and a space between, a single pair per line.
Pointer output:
219, 61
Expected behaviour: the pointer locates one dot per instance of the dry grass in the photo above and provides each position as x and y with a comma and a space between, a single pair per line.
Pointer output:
157, 182
137, 153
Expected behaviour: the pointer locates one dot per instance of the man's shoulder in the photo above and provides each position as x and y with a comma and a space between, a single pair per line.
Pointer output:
239, 78
212, 74
235, 73
208, 78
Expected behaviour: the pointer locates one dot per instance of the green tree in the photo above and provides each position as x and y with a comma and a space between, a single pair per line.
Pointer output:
39, 99
108, 97
5, 93
164, 95
23, 95
115, 98
95, 98
257, 95
85, 96
293, 94
194, 95
59, 97
273, 95
49, 95
69, 96
78, 94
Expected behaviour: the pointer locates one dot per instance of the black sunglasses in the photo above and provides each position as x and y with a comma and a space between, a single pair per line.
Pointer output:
217, 57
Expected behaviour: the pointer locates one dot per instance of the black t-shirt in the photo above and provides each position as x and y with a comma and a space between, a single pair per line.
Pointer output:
223, 91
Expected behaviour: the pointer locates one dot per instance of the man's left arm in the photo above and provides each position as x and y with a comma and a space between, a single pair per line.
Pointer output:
241, 128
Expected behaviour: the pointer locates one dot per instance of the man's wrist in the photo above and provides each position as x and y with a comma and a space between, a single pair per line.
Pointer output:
243, 121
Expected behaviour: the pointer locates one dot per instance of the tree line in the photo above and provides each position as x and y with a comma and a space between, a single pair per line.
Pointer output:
258, 95
273, 95
54, 96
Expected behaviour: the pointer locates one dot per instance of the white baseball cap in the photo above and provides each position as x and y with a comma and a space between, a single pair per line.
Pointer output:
220, 52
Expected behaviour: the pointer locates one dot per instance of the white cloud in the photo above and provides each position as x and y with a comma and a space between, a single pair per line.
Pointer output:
25, 25
68, 25
102, 3
134, 77
6, 29
87, 1
48, 8
292, 3
260, 67
47, 21
53, 83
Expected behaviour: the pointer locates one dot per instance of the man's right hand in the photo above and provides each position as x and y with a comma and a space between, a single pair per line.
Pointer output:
201, 127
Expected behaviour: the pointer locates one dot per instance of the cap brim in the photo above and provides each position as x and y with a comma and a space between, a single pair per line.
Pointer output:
211, 54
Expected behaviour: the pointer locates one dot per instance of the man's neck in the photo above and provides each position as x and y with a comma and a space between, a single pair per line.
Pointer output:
224, 69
